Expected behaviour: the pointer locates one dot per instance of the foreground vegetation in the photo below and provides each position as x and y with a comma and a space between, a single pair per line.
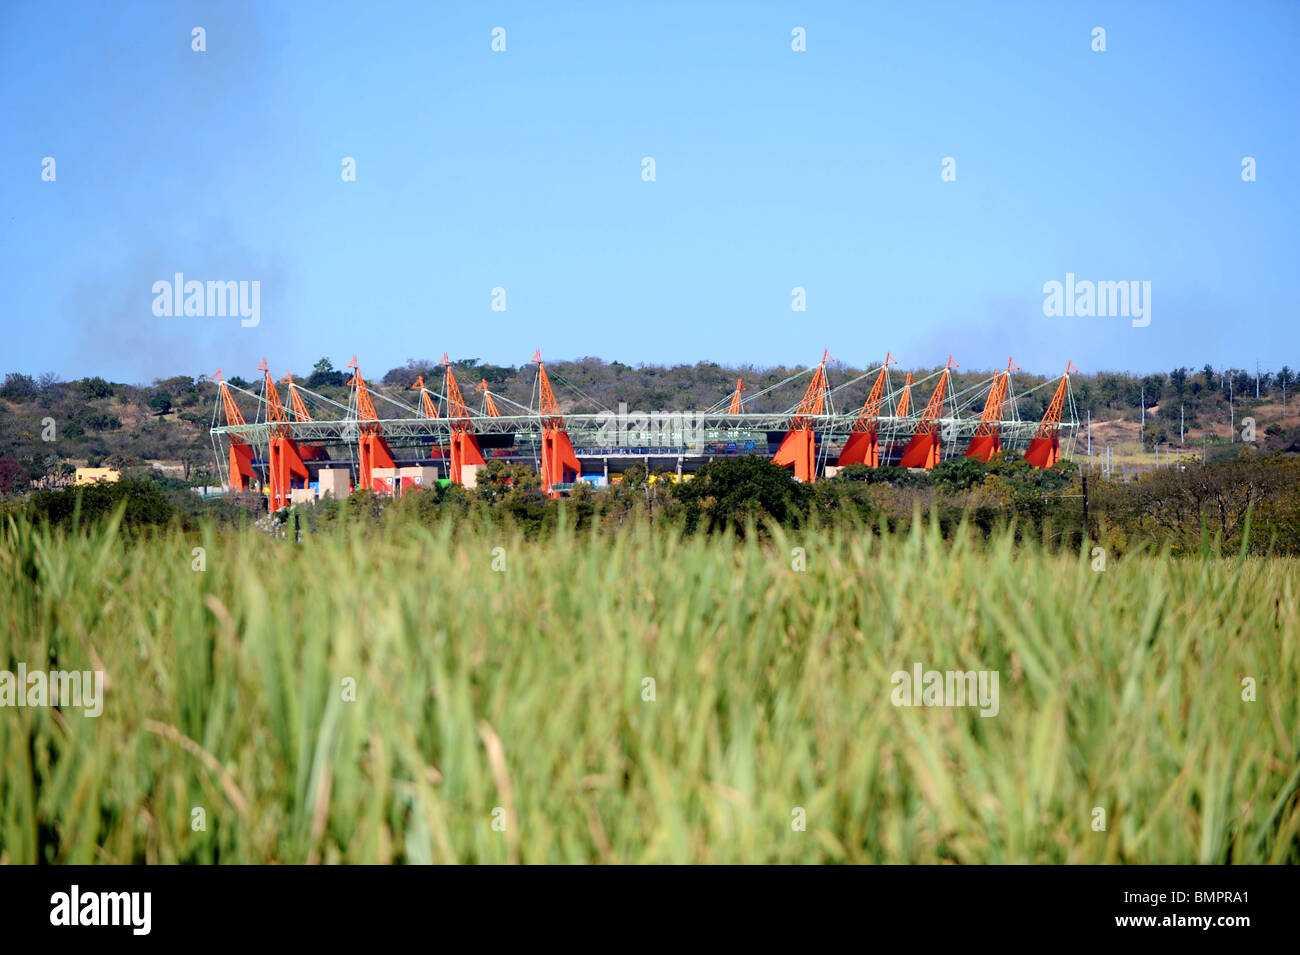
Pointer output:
1188, 509
404, 691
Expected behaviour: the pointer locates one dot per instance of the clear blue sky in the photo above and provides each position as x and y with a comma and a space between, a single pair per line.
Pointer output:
522, 169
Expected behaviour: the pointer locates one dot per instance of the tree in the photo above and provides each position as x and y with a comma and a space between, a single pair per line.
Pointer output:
1285, 378
1178, 378
13, 476
323, 374
1211, 378
95, 387
635, 476
161, 402
959, 473
404, 377
730, 491
18, 387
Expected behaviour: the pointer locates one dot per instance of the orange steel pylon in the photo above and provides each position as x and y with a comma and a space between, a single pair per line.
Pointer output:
735, 397
464, 445
987, 440
285, 462
1045, 448
863, 445
295, 400
241, 453
426, 399
489, 406
373, 449
799, 447
923, 451
905, 402
559, 462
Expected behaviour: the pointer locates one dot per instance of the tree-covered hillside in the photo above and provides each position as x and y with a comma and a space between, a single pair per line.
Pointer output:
47, 425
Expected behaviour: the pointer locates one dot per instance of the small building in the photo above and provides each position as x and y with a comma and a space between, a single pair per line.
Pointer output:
95, 475
418, 477
334, 481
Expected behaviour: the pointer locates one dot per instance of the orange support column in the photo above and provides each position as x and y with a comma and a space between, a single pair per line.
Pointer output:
798, 450
285, 465
241, 467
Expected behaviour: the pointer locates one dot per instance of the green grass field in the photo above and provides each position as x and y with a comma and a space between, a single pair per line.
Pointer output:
500, 715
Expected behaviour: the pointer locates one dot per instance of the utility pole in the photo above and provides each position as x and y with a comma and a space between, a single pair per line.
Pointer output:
1086, 532
1257, 379
1232, 417
1090, 436
1142, 431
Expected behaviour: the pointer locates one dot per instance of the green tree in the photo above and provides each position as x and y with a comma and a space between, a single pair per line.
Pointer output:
731, 491
1285, 379
144, 502
95, 387
18, 387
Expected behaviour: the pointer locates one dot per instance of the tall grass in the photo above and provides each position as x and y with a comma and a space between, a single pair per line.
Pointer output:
518, 696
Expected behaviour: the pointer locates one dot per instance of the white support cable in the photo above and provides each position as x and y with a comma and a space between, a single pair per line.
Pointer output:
346, 408
577, 391
524, 408
216, 449
717, 406
974, 391
853, 381
916, 382
770, 388
417, 412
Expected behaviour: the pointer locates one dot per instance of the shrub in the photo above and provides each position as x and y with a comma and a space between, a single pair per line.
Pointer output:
729, 492
13, 476
18, 387
143, 502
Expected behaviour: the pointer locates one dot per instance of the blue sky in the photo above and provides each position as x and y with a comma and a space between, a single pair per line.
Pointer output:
522, 170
